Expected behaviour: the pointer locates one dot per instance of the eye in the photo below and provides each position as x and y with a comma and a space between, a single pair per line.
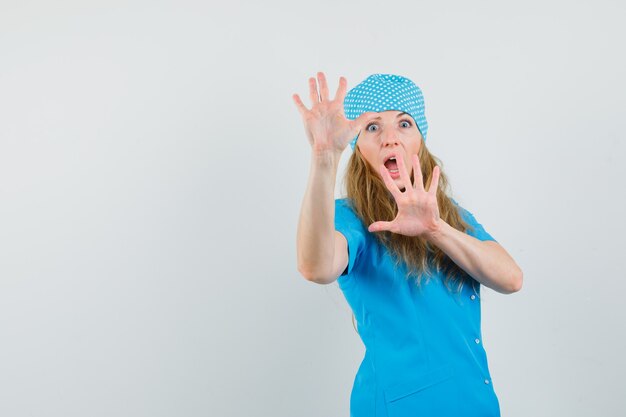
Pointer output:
405, 123
369, 126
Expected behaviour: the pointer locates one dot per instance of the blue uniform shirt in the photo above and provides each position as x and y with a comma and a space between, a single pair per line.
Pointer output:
424, 352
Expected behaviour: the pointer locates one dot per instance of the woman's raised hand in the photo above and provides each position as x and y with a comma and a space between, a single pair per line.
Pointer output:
325, 123
418, 211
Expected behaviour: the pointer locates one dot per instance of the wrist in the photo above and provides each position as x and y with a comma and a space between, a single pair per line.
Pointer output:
437, 233
325, 157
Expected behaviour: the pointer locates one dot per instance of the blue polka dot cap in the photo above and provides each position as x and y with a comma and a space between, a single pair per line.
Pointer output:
382, 92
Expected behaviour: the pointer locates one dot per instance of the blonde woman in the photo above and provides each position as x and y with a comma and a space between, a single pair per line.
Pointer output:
408, 259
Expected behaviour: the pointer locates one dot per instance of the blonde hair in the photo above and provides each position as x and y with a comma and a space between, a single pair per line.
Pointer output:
372, 201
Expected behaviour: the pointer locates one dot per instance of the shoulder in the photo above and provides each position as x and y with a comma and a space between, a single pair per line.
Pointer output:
344, 204
476, 229
463, 212
347, 222
344, 211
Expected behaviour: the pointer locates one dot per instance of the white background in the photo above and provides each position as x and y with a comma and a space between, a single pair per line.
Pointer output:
152, 165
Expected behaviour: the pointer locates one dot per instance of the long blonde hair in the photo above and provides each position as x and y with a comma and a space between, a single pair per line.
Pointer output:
372, 201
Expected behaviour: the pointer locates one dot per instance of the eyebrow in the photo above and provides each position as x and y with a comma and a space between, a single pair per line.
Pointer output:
399, 114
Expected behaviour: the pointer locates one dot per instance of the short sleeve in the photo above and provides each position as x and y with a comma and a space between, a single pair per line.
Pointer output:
348, 224
476, 229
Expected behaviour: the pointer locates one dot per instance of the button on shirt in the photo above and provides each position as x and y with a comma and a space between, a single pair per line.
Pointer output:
423, 350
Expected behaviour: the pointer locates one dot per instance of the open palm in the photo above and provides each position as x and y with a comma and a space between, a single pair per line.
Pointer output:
325, 123
418, 211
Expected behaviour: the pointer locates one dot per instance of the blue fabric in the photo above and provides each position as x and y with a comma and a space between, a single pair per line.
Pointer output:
424, 351
383, 92
476, 229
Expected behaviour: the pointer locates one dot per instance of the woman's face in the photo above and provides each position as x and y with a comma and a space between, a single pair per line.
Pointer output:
392, 134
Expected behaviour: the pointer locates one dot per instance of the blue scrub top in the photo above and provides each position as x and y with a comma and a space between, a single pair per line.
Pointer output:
424, 353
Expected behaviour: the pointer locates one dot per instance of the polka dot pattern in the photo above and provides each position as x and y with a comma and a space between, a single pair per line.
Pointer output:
382, 92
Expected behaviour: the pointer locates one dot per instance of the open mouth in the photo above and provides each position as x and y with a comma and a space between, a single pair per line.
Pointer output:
392, 165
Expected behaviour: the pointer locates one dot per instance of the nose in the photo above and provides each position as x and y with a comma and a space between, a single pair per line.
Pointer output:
390, 138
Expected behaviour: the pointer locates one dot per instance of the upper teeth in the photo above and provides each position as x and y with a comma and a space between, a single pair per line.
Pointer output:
393, 158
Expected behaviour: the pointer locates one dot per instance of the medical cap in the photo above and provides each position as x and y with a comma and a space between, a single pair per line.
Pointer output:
382, 92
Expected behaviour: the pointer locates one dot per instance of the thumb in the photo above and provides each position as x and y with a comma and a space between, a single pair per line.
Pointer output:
380, 226
362, 120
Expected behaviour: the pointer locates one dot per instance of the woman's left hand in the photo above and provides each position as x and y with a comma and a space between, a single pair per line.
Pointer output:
418, 211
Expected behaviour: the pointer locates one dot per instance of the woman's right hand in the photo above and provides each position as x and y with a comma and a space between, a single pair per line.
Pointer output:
325, 123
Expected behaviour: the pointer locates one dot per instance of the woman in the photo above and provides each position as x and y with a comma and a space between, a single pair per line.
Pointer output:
407, 257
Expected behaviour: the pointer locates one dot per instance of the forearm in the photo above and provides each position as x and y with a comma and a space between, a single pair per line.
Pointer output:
486, 261
316, 230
